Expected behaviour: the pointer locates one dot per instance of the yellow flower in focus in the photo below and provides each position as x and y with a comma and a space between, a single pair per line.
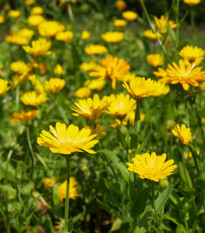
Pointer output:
96, 84
85, 35
120, 105
150, 35
66, 36
155, 59
152, 167
183, 133
24, 116
120, 23
50, 28
36, 10
91, 109
192, 2
18, 67
83, 92
2, 19
39, 47
87, 66
48, 182
35, 20
162, 22
14, 13
31, 98
73, 189
121, 5
59, 70
93, 49
68, 140
113, 37
4, 86
193, 55
29, 2
54, 85
129, 15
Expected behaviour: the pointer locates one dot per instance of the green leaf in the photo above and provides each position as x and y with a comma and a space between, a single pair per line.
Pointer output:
116, 162
163, 197
70, 225
171, 32
116, 225
121, 135
143, 223
51, 225
56, 199
184, 175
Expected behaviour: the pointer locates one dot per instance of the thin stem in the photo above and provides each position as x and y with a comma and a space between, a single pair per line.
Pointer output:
137, 115
70, 13
30, 149
153, 203
177, 23
67, 194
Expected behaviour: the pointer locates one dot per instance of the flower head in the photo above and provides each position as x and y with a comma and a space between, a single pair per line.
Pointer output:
35, 20
152, 167
14, 13
50, 28
4, 86
162, 22
48, 182
59, 70
113, 37
121, 5
36, 10
29, 2
155, 59
54, 85
95, 49
120, 23
85, 35
18, 67
95, 84
33, 99
2, 19
129, 15
87, 66
183, 133
83, 92
150, 34
24, 116
68, 140
192, 2
66, 36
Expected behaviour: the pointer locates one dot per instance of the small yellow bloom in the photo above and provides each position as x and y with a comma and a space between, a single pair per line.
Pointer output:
36, 10
2, 19
59, 70
50, 28
150, 35
73, 189
183, 133
162, 22
4, 86
31, 98
121, 5
35, 20
152, 167
87, 66
66, 36
18, 67
14, 13
85, 35
192, 2
83, 92
120, 23
113, 37
48, 182
21, 37
129, 15
29, 2
93, 49
24, 116
155, 59
54, 85
96, 84
91, 109
68, 140
39, 47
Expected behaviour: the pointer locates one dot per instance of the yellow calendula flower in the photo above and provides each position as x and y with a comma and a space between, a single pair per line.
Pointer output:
152, 167
120, 105
87, 66
50, 28
24, 116
54, 85
183, 133
95, 84
93, 49
85, 35
155, 59
25, 32
14, 13
162, 22
193, 55
35, 20
59, 70
192, 2
121, 5
29, 2
120, 22
150, 35
113, 37
161, 89
66, 36
4, 86
31, 98
39, 47
2, 19
48, 182
112, 68
91, 109
185, 74
73, 189
83, 92
36, 10
68, 140
129, 15
18, 67
21, 37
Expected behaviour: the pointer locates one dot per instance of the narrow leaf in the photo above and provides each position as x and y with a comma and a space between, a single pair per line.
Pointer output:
163, 197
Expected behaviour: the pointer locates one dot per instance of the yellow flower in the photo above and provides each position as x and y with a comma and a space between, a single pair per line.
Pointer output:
38, 86
93, 49
29, 2
91, 109
183, 133
25, 32
48, 182
120, 23
59, 70
113, 68
85, 35
120, 105
35, 20
36, 10
14, 13
162, 22
161, 89
68, 140
83, 92
2, 19
24, 116
152, 167
113, 37
129, 15
150, 34
193, 55
42, 67
192, 2
87, 66
50, 28
99, 129
121, 5
32, 99
54, 85
73, 189
66, 36
4, 86
185, 74
39, 47
18, 67
188, 154
21, 37
155, 59
96, 84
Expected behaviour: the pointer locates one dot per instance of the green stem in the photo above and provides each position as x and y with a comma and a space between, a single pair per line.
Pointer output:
67, 194
30, 149
70, 13
177, 23
137, 115
153, 203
